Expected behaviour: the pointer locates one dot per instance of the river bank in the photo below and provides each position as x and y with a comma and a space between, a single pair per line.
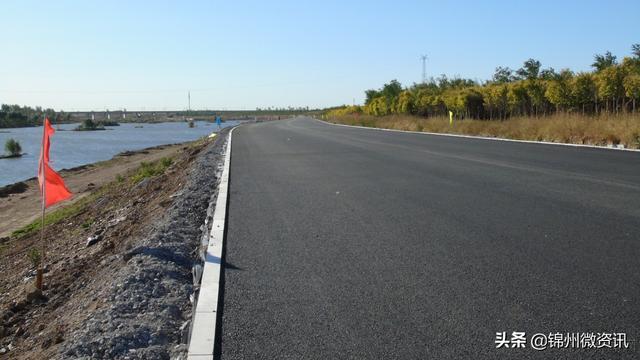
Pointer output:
119, 258
70, 149
20, 201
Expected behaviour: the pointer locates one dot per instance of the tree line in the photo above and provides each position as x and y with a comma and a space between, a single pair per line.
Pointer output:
12, 116
612, 87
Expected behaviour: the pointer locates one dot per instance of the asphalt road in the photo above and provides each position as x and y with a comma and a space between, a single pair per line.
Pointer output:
347, 243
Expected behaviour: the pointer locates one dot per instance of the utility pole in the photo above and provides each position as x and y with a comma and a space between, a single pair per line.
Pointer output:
189, 97
424, 68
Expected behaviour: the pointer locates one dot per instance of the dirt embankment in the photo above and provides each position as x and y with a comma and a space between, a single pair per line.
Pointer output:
20, 202
118, 278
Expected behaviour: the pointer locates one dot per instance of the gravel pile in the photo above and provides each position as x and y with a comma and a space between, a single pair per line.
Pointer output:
149, 300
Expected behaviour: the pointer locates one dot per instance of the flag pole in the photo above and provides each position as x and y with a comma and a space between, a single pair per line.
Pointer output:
43, 188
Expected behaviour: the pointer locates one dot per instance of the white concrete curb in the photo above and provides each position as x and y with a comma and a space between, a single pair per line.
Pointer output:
483, 137
203, 330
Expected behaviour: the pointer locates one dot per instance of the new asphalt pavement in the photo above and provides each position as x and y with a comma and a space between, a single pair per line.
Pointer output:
350, 243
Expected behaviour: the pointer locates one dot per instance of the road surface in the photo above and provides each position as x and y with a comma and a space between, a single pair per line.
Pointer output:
348, 243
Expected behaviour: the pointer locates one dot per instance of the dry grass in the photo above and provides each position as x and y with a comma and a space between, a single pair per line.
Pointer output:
562, 128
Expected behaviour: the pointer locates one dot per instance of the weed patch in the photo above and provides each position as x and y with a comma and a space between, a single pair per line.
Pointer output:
147, 170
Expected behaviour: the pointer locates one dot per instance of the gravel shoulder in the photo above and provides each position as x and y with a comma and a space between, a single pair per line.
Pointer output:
128, 294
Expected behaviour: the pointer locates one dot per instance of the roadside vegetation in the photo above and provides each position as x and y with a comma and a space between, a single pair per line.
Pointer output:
57, 215
600, 130
145, 170
597, 107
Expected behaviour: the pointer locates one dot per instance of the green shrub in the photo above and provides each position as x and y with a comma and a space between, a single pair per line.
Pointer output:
88, 125
13, 147
87, 224
166, 162
147, 170
56, 215
35, 256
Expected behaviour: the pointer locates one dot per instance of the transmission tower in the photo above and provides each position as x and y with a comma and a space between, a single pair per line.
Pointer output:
424, 68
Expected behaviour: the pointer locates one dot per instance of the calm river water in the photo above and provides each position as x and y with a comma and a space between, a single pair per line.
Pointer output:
74, 148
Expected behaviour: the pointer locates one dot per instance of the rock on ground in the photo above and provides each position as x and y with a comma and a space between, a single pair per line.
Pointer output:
149, 297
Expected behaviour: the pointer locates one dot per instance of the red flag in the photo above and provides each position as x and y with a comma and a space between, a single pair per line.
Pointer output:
52, 186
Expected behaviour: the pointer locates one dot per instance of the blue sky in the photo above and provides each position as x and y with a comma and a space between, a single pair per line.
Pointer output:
83, 55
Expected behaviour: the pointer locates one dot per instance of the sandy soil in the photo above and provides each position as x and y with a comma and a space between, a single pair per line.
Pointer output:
18, 210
